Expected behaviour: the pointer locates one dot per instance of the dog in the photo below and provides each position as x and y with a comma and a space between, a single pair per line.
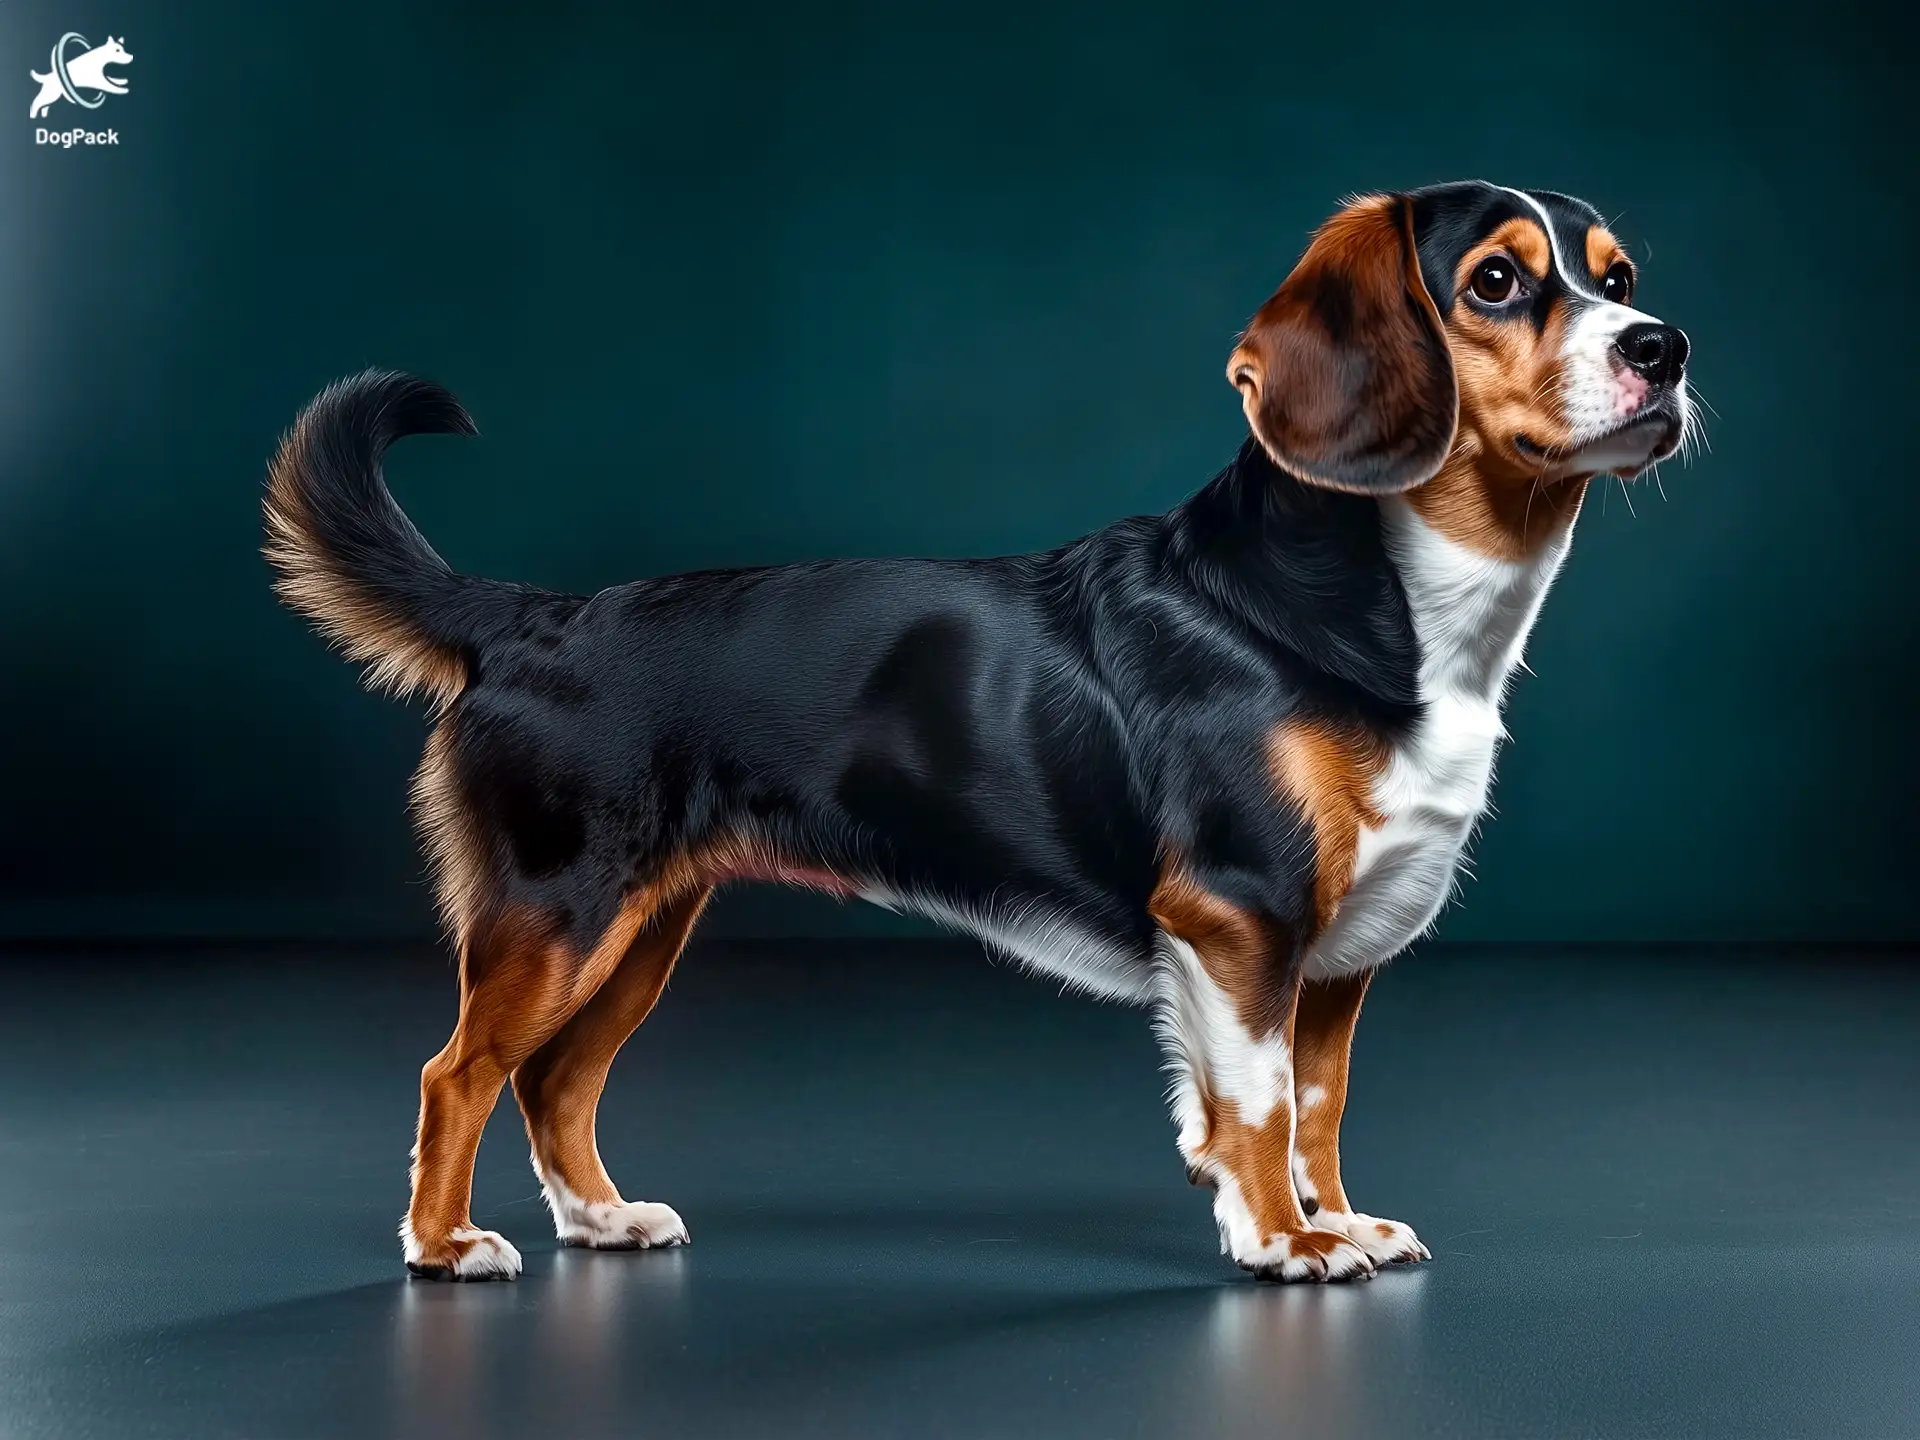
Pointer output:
87, 71
1221, 762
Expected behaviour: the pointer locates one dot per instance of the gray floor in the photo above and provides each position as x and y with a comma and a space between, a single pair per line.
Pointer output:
1668, 1195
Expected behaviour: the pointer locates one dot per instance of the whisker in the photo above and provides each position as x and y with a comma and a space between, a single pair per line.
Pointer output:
1693, 436
1693, 433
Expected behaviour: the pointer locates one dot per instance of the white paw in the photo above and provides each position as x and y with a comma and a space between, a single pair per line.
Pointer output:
1387, 1242
619, 1225
608, 1224
466, 1254
1316, 1255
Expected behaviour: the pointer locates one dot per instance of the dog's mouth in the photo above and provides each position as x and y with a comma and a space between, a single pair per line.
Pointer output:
1626, 449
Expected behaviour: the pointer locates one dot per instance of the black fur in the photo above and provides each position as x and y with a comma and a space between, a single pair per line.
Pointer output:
1026, 730
349, 526
1036, 731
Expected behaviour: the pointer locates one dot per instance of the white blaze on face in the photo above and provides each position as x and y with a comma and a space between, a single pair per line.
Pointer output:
1600, 394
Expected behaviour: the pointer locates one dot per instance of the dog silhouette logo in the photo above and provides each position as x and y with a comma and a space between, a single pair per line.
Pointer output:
71, 72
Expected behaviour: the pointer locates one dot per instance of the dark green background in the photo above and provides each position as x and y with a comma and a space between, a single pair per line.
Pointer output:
740, 284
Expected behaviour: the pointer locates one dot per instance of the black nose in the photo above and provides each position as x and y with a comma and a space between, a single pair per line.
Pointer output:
1657, 352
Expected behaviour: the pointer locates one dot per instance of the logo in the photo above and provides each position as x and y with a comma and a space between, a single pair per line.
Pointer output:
77, 71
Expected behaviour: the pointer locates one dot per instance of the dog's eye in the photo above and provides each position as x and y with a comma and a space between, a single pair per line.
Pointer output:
1494, 280
1618, 284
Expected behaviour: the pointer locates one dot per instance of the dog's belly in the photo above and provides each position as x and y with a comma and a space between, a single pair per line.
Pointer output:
1049, 940
1432, 792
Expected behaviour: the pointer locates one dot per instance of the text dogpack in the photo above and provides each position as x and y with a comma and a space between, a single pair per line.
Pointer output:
67, 139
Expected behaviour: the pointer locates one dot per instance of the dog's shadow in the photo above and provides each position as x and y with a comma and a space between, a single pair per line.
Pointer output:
1044, 1318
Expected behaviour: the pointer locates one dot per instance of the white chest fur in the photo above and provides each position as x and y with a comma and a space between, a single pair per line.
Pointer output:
1472, 615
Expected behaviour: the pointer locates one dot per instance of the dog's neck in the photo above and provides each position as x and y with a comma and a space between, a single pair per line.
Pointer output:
1477, 550
1403, 597
1495, 509
1472, 611
1306, 572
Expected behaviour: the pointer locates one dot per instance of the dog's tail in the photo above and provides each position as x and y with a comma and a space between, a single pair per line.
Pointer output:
350, 560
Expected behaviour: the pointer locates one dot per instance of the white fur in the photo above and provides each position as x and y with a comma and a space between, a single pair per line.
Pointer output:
1472, 614
1204, 1032
1304, 1189
1281, 1257
609, 1225
1387, 1242
1576, 280
490, 1256
1210, 1051
1240, 1234
1593, 391
1597, 392
1180, 1020
1046, 940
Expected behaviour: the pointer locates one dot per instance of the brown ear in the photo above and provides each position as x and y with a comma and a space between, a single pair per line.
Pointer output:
1345, 374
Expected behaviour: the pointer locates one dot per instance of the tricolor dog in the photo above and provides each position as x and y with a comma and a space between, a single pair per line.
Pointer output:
1220, 762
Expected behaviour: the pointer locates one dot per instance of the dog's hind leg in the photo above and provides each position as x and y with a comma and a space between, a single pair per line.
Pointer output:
520, 981
559, 1087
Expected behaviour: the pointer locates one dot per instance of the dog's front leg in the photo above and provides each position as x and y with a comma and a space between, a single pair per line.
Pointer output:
1323, 1036
1229, 990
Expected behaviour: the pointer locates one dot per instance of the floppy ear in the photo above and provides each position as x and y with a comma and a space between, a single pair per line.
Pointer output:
1345, 374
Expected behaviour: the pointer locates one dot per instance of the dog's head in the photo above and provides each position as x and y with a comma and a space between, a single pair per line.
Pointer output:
113, 52
1464, 327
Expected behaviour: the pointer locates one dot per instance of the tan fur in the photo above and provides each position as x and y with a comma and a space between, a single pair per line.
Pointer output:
1323, 1035
1495, 514
1521, 238
559, 1086
533, 1009
1258, 1157
519, 985
1251, 959
1603, 252
1329, 772
454, 859
1488, 495
1289, 361
397, 659
1248, 956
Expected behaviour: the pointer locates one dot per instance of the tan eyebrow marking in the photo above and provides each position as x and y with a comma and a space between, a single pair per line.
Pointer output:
1603, 251
1521, 238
